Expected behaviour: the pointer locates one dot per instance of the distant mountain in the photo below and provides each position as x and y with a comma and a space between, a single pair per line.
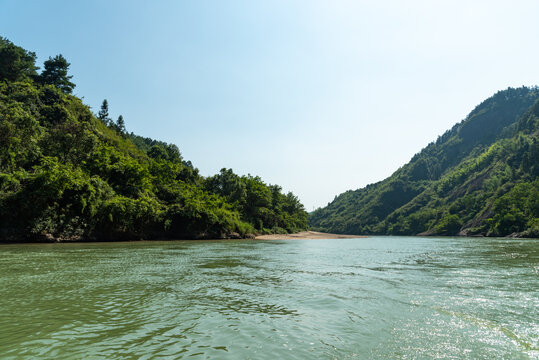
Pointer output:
478, 178
67, 174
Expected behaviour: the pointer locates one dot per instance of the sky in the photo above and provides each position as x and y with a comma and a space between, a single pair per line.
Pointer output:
319, 97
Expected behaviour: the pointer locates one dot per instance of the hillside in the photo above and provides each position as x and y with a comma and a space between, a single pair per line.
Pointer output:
68, 174
479, 178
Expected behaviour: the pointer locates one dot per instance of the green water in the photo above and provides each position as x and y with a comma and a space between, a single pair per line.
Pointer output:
374, 298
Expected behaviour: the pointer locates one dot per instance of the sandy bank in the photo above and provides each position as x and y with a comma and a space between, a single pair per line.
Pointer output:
306, 235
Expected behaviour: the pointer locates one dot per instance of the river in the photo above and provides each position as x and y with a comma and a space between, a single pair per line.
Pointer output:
370, 298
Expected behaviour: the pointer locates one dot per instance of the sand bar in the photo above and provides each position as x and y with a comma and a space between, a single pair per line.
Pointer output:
307, 235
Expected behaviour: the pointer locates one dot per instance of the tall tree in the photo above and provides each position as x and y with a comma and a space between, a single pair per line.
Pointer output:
120, 124
103, 114
15, 62
55, 73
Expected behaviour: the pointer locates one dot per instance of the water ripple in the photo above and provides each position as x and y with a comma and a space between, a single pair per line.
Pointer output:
373, 298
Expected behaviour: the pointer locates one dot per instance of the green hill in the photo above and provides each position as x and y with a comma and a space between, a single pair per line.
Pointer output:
67, 174
479, 178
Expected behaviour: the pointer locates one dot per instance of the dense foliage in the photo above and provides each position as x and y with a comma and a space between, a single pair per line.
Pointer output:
66, 174
479, 178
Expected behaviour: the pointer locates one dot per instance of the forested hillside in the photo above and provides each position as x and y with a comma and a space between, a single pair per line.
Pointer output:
479, 178
68, 174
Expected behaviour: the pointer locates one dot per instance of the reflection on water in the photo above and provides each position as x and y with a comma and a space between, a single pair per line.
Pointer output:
383, 297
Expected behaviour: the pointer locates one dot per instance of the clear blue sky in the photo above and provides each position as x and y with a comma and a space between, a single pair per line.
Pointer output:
316, 96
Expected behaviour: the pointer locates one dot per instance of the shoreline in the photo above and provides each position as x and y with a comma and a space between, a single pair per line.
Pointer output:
307, 235
303, 235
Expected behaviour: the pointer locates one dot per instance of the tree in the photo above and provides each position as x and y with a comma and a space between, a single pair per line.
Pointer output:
103, 114
174, 153
55, 73
16, 63
158, 152
120, 124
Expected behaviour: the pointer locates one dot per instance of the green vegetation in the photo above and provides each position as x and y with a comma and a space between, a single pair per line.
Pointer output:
479, 178
66, 174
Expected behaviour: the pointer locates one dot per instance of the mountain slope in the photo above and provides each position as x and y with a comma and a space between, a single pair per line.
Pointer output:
66, 174
479, 178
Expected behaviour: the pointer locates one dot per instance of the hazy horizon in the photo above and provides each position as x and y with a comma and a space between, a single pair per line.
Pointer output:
317, 97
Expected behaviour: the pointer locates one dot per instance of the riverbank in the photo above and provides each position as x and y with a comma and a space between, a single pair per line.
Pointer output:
306, 235
300, 235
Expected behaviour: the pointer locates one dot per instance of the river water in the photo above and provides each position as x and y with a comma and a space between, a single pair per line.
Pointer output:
372, 298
